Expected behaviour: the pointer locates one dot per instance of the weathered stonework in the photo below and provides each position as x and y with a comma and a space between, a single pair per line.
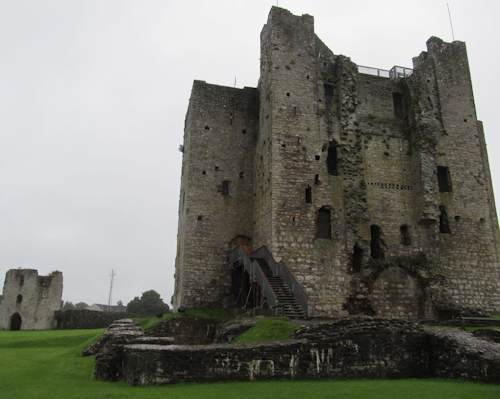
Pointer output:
30, 301
345, 348
412, 219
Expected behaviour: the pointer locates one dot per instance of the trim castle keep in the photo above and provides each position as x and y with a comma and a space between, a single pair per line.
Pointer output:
332, 189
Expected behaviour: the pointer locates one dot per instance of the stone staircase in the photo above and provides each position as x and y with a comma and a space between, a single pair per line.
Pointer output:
287, 303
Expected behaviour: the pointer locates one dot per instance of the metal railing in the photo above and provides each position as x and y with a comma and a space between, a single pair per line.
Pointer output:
396, 72
279, 269
383, 73
256, 275
252, 267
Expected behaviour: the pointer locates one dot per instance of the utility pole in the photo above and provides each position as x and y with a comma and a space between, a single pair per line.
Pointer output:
112, 276
451, 22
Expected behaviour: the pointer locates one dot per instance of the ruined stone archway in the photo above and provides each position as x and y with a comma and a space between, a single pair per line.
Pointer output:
15, 322
396, 294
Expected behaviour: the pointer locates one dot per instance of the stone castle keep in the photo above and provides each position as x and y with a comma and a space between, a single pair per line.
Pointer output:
334, 189
29, 300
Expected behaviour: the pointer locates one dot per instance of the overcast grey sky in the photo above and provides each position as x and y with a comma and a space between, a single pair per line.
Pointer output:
93, 95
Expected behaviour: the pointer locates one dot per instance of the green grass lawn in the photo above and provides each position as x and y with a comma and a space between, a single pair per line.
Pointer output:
268, 329
47, 365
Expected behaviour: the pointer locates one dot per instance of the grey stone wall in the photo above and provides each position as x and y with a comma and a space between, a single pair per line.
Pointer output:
32, 298
347, 348
350, 349
388, 157
219, 145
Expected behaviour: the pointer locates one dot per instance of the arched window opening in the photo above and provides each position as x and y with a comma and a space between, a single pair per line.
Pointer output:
19, 299
324, 227
332, 160
376, 247
405, 234
444, 224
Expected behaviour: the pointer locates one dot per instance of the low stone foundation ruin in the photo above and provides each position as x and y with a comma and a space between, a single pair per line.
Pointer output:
344, 348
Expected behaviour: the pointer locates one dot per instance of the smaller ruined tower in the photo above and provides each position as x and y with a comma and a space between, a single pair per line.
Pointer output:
29, 300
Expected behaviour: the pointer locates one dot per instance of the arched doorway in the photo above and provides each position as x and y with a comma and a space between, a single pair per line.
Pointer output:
15, 322
243, 242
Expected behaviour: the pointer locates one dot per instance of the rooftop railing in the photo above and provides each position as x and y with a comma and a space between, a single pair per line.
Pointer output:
396, 72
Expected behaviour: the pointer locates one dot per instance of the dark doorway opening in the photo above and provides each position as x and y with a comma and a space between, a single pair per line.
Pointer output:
15, 322
324, 226
357, 258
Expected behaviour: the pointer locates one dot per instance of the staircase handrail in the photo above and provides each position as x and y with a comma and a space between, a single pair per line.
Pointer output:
256, 274
280, 269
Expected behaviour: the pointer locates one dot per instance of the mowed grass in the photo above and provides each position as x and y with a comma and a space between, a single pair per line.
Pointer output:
48, 365
268, 329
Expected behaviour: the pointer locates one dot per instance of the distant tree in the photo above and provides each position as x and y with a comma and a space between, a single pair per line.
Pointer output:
150, 303
119, 303
81, 305
68, 306
135, 306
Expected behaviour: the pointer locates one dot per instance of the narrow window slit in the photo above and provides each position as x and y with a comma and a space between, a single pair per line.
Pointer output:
308, 195
226, 187
332, 159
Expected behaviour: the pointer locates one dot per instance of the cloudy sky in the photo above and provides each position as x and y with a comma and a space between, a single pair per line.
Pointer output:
93, 95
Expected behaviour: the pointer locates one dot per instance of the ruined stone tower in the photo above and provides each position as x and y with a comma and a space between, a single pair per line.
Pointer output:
29, 300
369, 189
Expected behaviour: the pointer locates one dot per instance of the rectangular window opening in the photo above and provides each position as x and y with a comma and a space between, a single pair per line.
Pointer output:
332, 159
444, 179
328, 90
226, 187
405, 234
376, 243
